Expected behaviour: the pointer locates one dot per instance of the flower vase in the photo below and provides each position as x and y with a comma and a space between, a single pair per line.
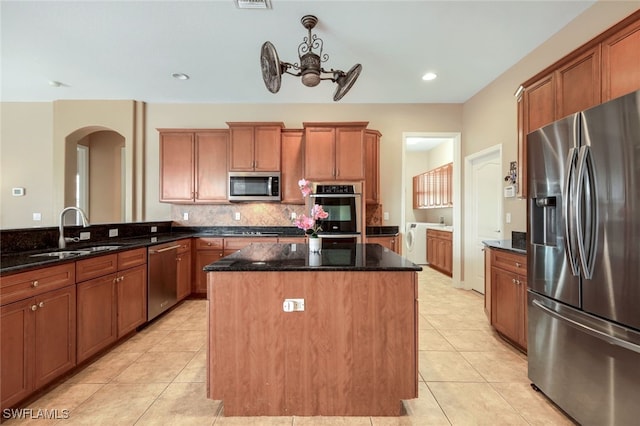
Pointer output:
315, 244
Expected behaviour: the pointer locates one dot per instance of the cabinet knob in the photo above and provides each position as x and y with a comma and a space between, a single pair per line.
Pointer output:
208, 244
34, 307
34, 284
41, 305
518, 264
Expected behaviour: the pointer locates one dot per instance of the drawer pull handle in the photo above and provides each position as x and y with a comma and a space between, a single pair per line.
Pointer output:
41, 305
34, 308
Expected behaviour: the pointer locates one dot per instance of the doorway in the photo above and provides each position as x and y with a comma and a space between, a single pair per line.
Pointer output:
483, 210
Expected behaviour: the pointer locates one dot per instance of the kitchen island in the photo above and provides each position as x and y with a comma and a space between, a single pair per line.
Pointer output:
297, 333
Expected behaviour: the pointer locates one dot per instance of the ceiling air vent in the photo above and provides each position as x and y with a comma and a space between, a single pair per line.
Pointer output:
253, 4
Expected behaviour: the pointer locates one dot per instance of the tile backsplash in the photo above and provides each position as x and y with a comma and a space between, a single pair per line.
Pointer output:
249, 214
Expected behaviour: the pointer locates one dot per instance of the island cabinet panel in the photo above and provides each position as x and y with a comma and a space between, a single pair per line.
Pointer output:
351, 352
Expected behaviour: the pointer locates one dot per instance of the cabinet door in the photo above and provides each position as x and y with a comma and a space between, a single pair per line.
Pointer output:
184, 275
96, 315
620, 63
578, 83
505, 309
17, 351
319, 153
203, 258
372, 167
267, 148
292, 167
487, 283
132, 298
54, 334
241, 148
540, 103
176, 167
211, 170
522, 303
349, 153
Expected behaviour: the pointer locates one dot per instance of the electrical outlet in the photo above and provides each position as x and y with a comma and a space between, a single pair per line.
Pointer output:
37, 216
185, 216
508, 218
385, 215
113, 232
236, 215
85, 235
293, 215
154, 229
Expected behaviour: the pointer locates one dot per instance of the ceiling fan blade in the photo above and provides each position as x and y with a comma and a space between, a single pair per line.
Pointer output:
346, 81
271, 67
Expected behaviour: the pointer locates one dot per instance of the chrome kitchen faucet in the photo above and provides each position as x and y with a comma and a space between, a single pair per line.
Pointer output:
62, 241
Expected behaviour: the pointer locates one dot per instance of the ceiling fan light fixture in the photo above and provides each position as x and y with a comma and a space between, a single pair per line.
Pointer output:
309, 68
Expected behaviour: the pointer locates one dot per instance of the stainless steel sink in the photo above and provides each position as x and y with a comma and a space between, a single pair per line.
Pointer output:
61, 254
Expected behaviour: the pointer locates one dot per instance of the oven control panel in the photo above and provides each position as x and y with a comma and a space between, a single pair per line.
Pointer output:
335, 189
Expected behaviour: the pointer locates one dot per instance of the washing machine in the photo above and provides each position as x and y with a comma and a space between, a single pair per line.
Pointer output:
416, 242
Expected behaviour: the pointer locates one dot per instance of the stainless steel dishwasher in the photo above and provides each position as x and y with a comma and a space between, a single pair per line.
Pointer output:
162, 278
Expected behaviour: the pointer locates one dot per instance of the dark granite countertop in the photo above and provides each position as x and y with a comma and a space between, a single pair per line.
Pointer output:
296, 257
22, 261
504, 245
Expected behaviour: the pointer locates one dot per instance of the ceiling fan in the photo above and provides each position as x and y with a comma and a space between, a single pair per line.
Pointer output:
309, 69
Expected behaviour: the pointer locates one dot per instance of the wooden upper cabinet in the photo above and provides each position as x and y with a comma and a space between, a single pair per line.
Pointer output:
540, 101
255, 146
578, 83
211, 166
176, 166
291, 166
334, 151
193, 165
621, 62
372, 166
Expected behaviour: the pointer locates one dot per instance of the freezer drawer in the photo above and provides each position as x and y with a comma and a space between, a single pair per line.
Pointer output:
587, 366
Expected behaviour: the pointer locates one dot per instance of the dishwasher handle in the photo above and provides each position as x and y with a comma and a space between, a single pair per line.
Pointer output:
162, 250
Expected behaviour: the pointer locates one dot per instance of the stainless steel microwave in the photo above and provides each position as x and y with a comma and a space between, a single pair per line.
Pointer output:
254, 186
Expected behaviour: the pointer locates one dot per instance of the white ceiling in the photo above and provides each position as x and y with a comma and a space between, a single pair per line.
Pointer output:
130, 49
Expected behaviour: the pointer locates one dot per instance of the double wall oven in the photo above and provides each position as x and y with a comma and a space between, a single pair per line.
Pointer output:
343, 202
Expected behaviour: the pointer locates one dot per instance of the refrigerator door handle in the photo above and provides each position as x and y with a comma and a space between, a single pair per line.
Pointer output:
586, 232
612, 340
567, 195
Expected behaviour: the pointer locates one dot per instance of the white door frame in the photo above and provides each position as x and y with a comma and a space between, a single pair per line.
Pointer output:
457, 195
469, 238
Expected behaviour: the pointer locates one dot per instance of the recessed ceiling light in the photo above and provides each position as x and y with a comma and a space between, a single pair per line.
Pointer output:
180, 76
429, 76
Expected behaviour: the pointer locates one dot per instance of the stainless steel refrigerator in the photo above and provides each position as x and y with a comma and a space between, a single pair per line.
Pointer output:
584, 262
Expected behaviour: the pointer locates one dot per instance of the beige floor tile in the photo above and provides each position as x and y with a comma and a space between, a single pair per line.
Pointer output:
143, 341
331, 421
155, 367
253, 421
500, 366
66, 396
181, 404
104, 369
423, 323
425, 408
432, 340
116, 404
531, 405
183, 340
474, 340
446, 366
474, 404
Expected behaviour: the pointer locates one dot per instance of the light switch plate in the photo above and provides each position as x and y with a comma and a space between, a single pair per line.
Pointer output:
236, 215
85, 235
113, 232
154, 229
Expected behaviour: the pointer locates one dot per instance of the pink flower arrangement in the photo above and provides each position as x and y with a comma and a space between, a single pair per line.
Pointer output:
310, 223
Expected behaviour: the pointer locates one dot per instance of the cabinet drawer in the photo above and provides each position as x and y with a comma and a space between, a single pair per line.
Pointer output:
443, 235
509, 261
185, 245
129, 259
96, 267
209, 244
27, 284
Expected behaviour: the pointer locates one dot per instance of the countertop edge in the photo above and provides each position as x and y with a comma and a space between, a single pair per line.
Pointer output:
505, 245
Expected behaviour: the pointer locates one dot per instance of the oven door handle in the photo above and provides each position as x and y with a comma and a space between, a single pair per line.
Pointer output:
334, 195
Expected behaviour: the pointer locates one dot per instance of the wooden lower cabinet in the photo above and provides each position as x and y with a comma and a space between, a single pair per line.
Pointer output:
37, 342
208, 250
508, 293
97, 315
392, 242
440, 250
112, 304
